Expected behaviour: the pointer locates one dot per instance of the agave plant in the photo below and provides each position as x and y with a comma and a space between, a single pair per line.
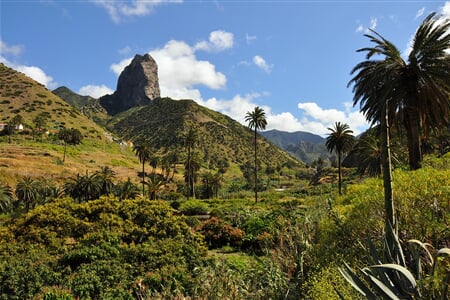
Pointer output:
390, 277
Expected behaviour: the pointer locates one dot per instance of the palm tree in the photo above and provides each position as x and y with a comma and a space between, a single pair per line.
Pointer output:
256, 120
416, 91
153, 162
143, 152
6, 198
340, 140
106, 176
126, 190
27, 192
190, 141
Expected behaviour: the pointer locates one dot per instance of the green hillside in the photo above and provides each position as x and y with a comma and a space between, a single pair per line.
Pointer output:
39, 154
88, 106
164, 122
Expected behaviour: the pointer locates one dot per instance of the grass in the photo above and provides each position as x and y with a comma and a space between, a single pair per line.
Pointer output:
43, 159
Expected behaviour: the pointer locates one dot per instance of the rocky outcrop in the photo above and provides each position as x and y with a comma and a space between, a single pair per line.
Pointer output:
137, 85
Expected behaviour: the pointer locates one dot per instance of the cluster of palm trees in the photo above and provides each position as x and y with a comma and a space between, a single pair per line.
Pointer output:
30, 192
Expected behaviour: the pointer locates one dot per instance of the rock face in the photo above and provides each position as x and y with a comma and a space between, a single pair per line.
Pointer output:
137, 85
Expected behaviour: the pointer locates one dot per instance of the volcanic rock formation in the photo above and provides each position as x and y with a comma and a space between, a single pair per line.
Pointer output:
137, 85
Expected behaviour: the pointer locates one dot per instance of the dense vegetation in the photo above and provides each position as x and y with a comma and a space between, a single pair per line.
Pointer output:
192, 221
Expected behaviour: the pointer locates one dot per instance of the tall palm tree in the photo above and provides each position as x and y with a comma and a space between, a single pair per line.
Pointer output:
340, 140
415, 92
256, 120
190, 141
143, 152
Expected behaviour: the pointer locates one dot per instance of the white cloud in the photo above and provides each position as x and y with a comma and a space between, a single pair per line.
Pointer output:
372, 26
7, 49
445, 10
95, 91
373, 23
321, 119
179, 70
262, 64
37, 74
420, 12
313, 119
219, 40
118, 68
249, 38
118, 10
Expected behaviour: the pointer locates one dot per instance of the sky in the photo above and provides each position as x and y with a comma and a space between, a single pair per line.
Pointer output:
293, 58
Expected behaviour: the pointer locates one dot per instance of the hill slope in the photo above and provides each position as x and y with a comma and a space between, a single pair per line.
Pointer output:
90, 107
304, 145
20, 95
164, 121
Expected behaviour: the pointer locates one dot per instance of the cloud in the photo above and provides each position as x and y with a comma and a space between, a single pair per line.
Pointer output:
420, 12
249, 38
179, 70
313, 118
262, 64
372, 26
219, 40
125, 50
118, 10
95, 91
373, 23
14, 50
321, 119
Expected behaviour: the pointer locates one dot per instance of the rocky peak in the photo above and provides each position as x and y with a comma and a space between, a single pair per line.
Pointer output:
137, 85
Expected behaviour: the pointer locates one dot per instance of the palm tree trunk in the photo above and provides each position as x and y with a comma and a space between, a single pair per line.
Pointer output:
64, 156
387, 175
256, 172
413, 137
339, 173
143, 178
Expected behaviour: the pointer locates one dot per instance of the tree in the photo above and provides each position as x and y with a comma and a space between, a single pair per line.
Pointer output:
106, 177
341, 141
256, 120
40, 122
190, 141
126, 190
12, 125
27, 192
69, 136
6, 198
414, 92
143, 152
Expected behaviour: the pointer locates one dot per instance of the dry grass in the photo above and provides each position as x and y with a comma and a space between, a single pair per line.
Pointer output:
40, 160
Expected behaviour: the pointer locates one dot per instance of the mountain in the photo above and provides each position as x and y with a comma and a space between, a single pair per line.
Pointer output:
88, 106
164, 121
137, 85
305, 146
21, 95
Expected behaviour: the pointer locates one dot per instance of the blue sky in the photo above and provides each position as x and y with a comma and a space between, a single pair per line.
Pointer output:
293, 58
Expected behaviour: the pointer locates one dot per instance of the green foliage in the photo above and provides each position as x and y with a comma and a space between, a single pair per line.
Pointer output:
97, 249
217, 233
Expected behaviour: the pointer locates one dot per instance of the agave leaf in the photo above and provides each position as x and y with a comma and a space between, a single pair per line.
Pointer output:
443, 252
409, 287
357, 284
423, 246
381, 287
